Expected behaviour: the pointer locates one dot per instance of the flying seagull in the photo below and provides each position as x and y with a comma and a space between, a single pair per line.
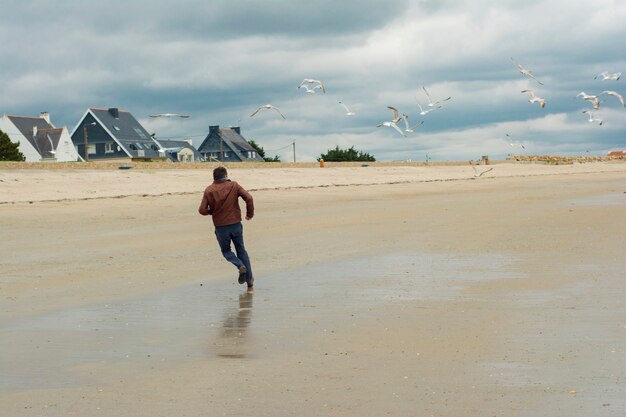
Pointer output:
391, 124
430, 100
592, 99
166, 150
476, 173
606, 76
525, 71
182, 116
514, 143
312, 81
349, 113
614, 94
309, 89
534, 98
410, 129
268, 106
396, 116
592, 117
425, 112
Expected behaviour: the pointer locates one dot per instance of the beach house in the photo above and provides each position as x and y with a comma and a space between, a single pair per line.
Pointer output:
179, 150
38, 139
113, 134
227, 144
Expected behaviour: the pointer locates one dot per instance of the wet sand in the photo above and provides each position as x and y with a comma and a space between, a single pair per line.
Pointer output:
438, 296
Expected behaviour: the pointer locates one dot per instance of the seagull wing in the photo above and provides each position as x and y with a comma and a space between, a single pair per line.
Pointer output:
345, 107
441, 101
615, 94
395, 126
275, 108
430, 100
256, 111
417, 125
396, 118
406, 122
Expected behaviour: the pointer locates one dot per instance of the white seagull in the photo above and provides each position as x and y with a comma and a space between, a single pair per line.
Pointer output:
349, 113
525, 71
476, 173
309, 89
425, 112
514, 143
594, 100
269, 107
408, 128
592, 117
430, 101
182, 116
391, 124
312, 81
606, 76
534, 98
614, 94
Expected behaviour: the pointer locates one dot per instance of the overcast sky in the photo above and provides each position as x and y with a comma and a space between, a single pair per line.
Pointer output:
220, 60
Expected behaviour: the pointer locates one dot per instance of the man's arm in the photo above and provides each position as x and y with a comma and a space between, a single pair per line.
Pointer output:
249, 202
204, 208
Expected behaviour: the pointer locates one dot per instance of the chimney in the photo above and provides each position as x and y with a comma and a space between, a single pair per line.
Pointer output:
189, 141
114, 112
237, 129
214, 130
45, 115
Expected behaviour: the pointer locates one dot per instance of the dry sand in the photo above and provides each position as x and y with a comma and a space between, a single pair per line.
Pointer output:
416, 291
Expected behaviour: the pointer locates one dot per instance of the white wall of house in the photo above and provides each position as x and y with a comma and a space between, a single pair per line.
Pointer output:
66, 152
186, 155
14, 134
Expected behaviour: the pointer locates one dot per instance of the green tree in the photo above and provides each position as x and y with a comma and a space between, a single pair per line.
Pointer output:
9, 151
259, 149
346, 155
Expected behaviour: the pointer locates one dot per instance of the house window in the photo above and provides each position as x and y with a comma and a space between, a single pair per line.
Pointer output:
132, 147
91, 149
108, 147
225, 154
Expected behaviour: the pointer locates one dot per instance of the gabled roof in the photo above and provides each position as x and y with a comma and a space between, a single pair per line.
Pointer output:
46, 133
231, 140
129, 134
231, 135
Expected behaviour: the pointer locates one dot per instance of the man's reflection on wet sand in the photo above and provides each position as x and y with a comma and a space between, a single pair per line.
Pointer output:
231, 342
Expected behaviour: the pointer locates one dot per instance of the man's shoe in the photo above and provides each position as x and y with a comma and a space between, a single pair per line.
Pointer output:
243, 272
250, 284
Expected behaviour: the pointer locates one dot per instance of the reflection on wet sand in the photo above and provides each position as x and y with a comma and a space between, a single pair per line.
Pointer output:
231, 342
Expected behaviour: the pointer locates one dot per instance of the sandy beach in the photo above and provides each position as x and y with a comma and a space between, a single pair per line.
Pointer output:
380, 291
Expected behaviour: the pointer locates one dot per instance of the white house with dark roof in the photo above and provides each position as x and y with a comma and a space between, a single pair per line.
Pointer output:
179, 150
38, 139
227, 145
113, 134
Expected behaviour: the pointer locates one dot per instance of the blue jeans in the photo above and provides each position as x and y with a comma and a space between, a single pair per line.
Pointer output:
234, 233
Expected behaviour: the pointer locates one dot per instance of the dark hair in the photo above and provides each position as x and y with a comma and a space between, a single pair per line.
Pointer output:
219, 173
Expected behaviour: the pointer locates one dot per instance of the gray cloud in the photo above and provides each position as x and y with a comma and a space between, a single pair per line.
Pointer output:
220, 60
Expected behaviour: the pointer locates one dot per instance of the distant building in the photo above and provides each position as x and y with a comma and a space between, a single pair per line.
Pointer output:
179, 150
617, 153
38, 139
230, 147
113, 134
